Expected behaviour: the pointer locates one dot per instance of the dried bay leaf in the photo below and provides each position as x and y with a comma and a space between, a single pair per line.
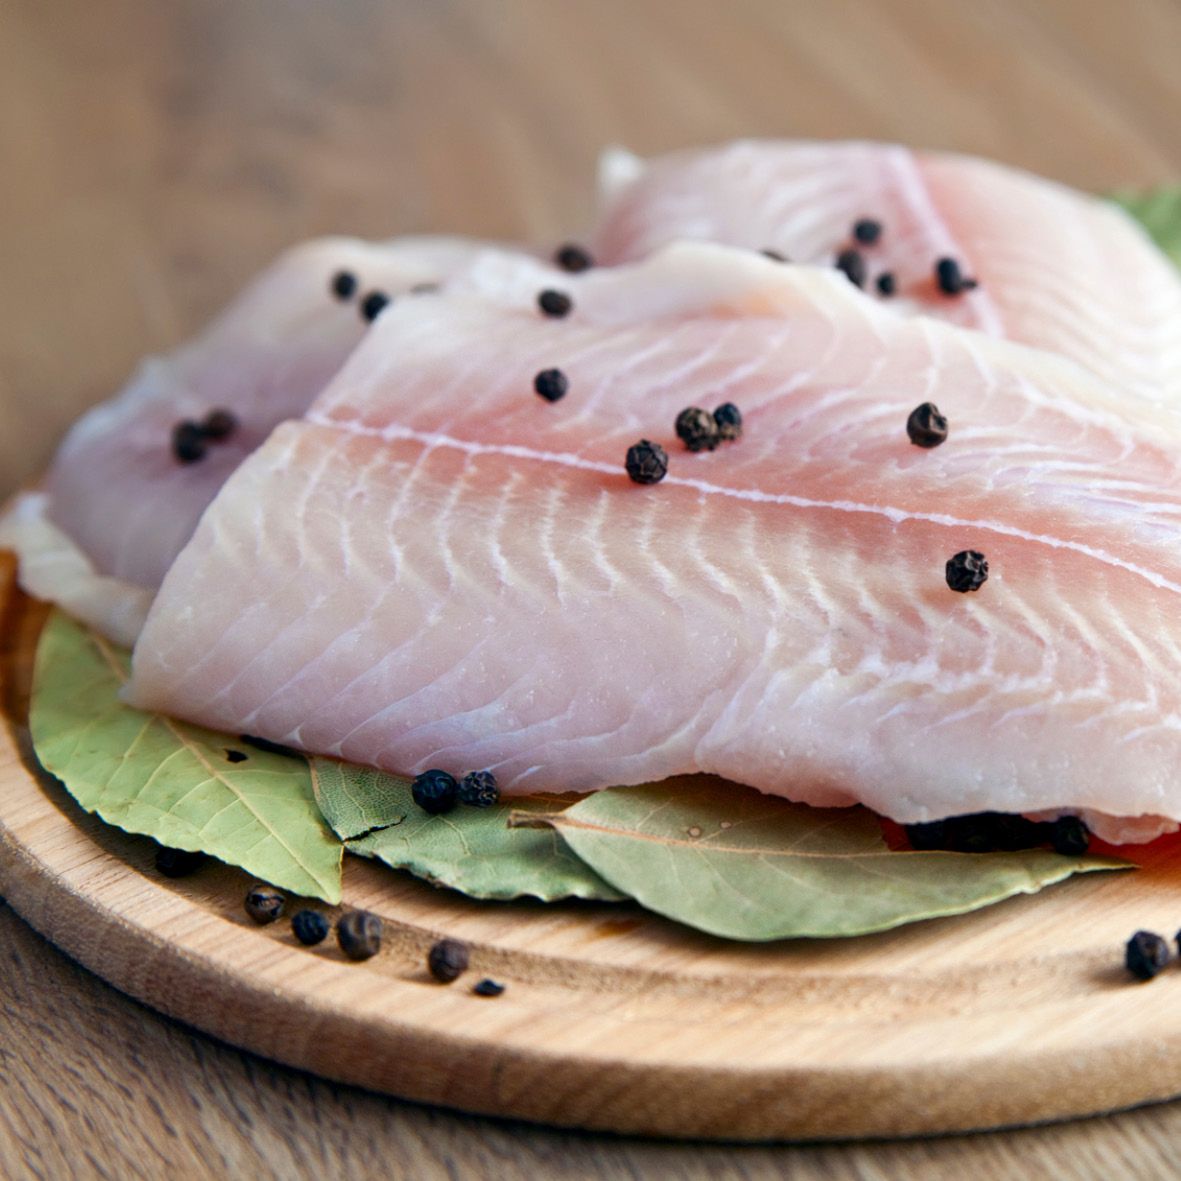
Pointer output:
356, 800
732, 862
472, 850
149, 774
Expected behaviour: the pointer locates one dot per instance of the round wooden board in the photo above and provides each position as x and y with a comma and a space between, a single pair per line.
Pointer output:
614, 1019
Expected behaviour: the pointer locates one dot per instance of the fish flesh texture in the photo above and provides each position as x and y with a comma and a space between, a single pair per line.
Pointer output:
115, 486
116, 506
435, 567
1057, 268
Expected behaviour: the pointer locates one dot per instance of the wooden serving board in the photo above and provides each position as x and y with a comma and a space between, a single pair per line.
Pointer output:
614, 1019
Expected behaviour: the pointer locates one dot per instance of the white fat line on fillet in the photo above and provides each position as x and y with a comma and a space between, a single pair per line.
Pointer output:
897, 516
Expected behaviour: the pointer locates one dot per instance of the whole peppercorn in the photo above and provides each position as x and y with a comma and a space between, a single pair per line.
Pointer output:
852, 262
1070, 836
435, 791
887, 284
697, 429
1145, 955
966, 571
264, 904
359, 934
447, 960
309, 927
219, 424
188, 441
551, 384
373, 305
729, 420
478, 789
950, 278
344, 285
488, 987
554, 303
573, 258
867, 231
178, 863
646, 462
926, 426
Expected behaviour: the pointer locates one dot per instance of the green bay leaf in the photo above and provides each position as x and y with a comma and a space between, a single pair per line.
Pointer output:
356, 800
149, 774
732, 862
472, 850
1159, 212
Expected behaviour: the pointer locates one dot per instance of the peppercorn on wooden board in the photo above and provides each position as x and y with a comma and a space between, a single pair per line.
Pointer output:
612, 1018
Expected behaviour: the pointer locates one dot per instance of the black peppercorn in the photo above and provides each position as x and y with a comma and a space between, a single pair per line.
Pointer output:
978, 832
309, 927
554, 303
1145, 955
966, 571
447, 960
373, 305
344, 285
852, 262
551, 384
697, 429
646, 462
573, 258
219, 424
926, 426
478, 789
236, 756
867, 231
435, 791
488, 988
887, 284
188, 441
359, 934
951, 279
264, 904
178, 863
729, 420
1070, 836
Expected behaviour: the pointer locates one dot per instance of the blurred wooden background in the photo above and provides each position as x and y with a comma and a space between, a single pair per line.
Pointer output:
155, 153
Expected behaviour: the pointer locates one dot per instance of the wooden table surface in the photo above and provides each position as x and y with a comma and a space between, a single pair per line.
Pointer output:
155, 153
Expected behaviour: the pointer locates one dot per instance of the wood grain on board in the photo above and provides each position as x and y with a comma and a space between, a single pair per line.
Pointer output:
155, 154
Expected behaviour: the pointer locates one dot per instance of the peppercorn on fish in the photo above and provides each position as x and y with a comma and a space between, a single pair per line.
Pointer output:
437, 567
1052, 267
126, 490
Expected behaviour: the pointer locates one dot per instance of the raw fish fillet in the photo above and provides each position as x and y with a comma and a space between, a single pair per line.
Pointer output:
115, 487
438, 568
1057, 268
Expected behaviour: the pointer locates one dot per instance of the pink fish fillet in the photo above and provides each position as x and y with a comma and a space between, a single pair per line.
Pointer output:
115, 486
1056, 268
438, 568
117, 506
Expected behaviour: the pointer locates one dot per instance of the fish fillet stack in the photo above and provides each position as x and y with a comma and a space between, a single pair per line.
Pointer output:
409, 559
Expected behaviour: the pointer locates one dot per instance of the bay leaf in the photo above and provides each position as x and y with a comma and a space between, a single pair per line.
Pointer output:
149, 774
472, 850
1159, 211
736, 863
355, 800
